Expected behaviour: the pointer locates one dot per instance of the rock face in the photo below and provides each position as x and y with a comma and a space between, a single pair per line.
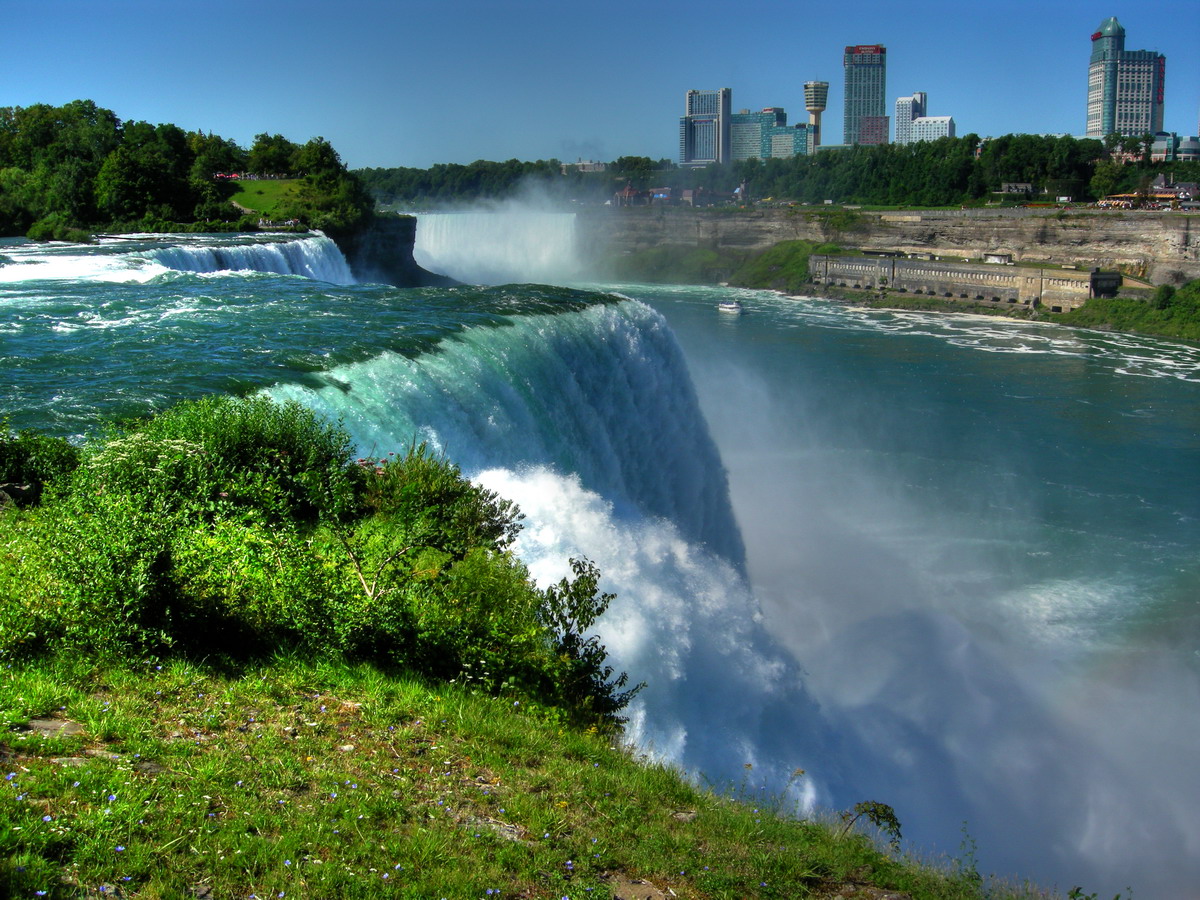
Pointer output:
1157, 245
383, 253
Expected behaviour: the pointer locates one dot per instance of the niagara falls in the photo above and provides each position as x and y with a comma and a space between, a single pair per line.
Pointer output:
942, 562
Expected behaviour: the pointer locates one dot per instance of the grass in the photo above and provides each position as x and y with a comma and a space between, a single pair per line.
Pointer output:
322, 779
269, 198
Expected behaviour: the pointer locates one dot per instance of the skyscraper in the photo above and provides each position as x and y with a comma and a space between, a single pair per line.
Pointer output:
704, 129
866, 86
1125, 87
907, 109
750, 132
816, 95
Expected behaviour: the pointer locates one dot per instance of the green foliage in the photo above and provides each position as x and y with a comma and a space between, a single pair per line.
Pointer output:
66, 171
585, 683
878, 814
229, 528
1170, 313
451, 181
30, 457
783, 267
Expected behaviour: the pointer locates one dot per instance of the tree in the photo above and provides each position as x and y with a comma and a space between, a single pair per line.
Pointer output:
271, 155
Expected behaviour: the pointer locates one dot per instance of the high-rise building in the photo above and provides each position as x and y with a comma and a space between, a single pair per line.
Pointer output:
907, 109
1125, 87
749, 132
866, 87
816, 95
784, 141
767, 135
704, 129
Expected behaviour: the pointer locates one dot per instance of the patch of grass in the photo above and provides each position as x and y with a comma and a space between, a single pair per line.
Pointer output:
329, 779
271, 198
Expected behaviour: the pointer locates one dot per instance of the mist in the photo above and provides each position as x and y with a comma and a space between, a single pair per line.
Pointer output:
969, 583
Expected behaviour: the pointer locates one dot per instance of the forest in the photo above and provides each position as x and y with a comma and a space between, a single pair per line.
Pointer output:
945, 172
66, 171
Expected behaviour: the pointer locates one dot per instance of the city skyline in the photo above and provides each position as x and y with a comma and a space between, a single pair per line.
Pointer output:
419, 83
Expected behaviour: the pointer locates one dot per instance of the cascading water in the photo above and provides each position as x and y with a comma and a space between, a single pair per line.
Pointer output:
312, 257
500, 246
589, 422
142, 258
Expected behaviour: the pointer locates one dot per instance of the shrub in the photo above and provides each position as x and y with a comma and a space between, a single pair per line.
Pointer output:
225, 455
29, 457
237, 528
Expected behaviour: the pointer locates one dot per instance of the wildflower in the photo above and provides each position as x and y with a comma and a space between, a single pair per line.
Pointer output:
112, 797
10, 776
120, 849
47, 818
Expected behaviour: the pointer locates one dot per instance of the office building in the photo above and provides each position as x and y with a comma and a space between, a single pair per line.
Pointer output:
907, 109
784, 141
1125, 87
749, 132
816, 96
704, 129
865, 68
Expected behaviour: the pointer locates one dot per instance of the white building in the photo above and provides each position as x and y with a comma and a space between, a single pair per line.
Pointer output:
908, 109
930, 128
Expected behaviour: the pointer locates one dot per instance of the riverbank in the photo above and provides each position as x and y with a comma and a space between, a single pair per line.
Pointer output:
1177, 319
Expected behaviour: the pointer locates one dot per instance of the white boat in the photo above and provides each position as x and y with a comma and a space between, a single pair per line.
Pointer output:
730, 306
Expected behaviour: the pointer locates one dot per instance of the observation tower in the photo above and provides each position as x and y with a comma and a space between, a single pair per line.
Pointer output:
816, 95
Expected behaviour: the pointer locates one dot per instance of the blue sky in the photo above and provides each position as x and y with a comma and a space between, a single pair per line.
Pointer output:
415, 82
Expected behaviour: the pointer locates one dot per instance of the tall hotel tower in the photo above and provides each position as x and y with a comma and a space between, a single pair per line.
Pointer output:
865, 118
816, 95
907, 110
1125, 87
704, 135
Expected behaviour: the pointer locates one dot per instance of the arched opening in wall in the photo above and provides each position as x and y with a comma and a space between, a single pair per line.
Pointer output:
1056, 309
1012, 299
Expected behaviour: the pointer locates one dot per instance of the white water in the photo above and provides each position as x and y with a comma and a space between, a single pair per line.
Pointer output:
140, 259
501, 246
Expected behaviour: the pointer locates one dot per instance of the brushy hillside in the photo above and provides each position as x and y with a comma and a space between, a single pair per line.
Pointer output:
237, 662
1169, 312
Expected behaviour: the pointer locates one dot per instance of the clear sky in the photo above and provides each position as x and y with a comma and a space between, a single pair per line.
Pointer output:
416, 82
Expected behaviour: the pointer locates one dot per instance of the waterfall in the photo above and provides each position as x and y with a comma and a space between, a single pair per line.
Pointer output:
589, 421
315, 257
603, 393
501, 246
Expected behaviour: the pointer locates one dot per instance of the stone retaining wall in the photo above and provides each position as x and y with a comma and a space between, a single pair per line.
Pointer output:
1055, 289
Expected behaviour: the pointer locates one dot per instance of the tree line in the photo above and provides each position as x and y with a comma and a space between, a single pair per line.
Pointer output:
945, 172
72, 169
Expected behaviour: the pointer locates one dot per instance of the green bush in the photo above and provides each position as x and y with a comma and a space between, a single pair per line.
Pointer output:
236, 528
227, 456
783, 267
29, 457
